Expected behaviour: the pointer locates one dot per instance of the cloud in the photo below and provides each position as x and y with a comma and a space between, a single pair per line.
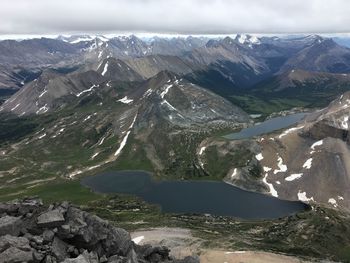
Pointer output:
174, 16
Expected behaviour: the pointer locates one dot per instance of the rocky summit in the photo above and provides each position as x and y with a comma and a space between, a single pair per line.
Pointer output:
33, 232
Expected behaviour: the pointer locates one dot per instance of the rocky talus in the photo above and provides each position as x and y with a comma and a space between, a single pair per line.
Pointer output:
33, 232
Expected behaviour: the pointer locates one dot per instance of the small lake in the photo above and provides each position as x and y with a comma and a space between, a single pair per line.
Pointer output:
201, 197
267, 126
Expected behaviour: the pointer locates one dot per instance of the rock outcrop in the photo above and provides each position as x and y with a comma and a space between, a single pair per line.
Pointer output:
33, 232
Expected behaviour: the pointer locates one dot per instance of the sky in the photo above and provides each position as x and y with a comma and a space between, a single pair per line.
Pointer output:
178, 17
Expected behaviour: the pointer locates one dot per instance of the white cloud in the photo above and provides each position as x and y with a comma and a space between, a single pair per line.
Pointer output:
168, 16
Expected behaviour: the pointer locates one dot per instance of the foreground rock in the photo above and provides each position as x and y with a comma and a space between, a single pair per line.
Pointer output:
33, 232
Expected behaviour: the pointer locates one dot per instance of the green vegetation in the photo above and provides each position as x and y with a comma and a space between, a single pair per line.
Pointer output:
265, 98
218, 164
133, 157
259, 105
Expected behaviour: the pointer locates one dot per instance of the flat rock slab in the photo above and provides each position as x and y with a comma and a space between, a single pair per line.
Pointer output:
51, 219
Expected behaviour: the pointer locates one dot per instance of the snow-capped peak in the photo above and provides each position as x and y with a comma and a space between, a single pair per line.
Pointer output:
74, 39
248, 40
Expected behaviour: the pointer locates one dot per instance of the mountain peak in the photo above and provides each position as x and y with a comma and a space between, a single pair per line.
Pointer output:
247, 39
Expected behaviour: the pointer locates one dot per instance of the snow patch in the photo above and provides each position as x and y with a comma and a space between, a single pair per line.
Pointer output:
272, 191
242, 39
125, 100
282, 167
292, 177
308, 163
147, 93
43, 93
267, 169
15, 107
102, 140
201, 151
289, 131
105, 69
42, 136
302, 197
87, 118
333, 202
75, 173
259, 156
87, 90
94, 155
43, 109
234, 173
123, 142
318, 143
165, 91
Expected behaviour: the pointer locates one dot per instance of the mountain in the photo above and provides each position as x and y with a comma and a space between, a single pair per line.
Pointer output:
49, 91
247, 40
117, 69
161, 119
151, 65
308, 162
323, 55
176, 46
311, 89
343, 41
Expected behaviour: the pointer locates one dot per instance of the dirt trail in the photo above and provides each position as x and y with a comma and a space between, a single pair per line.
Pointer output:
182, 244
210, 256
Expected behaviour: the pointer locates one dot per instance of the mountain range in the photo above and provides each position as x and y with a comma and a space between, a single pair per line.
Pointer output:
82, 105
94, 103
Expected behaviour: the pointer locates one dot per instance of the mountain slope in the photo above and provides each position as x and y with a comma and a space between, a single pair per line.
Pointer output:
311, 89
310, 162
323, 55
154, 125
50, 91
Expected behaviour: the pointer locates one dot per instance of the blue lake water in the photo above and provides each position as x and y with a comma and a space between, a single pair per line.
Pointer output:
267, 126
200, 197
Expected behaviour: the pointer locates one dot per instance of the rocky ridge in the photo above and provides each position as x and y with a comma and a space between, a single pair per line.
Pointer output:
61, 232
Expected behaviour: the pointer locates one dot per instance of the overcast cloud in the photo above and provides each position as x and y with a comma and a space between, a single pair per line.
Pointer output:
177, 16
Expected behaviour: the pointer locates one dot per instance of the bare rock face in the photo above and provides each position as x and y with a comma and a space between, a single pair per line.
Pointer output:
32, 232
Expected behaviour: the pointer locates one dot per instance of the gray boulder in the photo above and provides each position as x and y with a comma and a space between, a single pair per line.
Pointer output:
59, 249
15, 249
10, 225
51, 219
14, 255
94, 233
